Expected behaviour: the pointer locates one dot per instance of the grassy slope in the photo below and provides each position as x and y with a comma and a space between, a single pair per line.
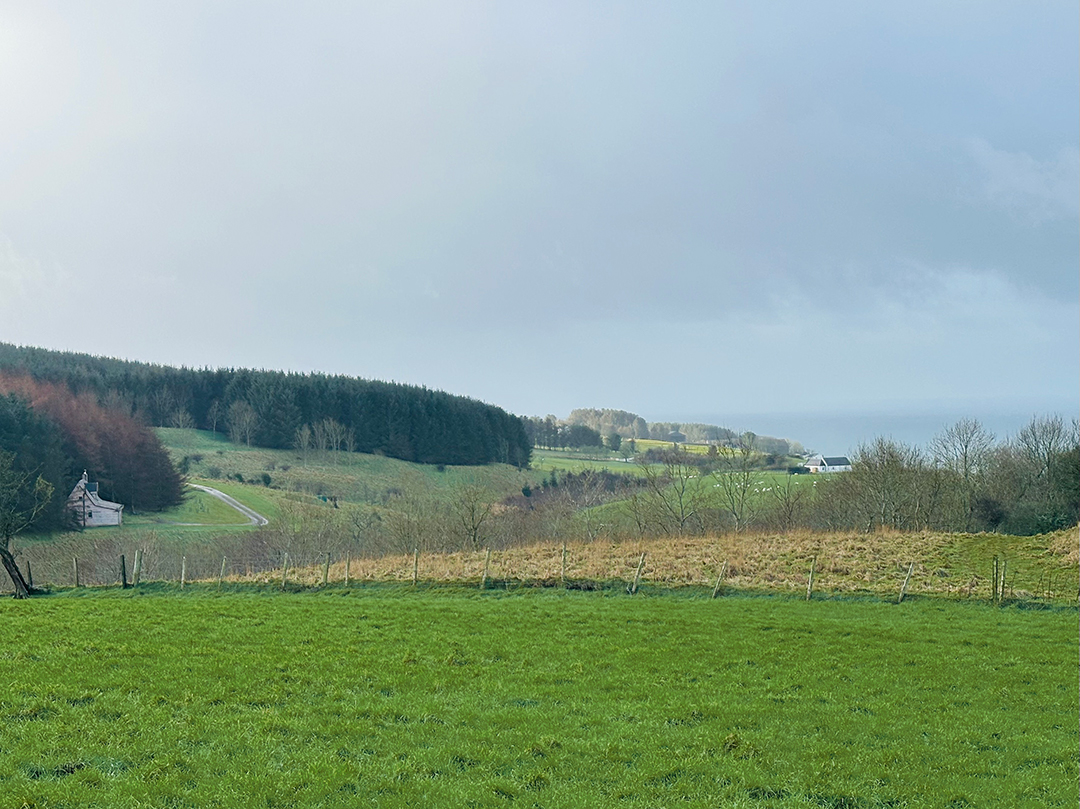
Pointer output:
391, 698
355, 477
1041, 569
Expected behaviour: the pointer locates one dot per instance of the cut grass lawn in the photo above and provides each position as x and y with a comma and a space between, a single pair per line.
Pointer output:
391, 697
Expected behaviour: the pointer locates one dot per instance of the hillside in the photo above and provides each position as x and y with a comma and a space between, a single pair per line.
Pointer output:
349, 477
279, 410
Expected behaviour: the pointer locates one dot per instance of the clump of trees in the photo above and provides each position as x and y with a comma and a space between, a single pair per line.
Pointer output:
551, 433
585, 426
48, 436
266, 408
966, 480
122, 454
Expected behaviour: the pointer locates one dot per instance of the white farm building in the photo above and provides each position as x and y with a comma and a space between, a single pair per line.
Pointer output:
89, 509
823, 463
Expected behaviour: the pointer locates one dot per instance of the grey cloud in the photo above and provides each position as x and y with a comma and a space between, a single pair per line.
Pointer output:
1037, 190
388, 187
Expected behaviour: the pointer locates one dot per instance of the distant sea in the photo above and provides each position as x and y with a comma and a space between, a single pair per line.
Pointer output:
841, 434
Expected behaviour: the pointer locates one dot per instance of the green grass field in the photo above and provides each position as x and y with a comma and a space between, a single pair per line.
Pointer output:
351, 476
548, 460
388, 697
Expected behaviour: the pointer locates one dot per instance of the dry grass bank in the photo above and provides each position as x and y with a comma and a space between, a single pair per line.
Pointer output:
944, 564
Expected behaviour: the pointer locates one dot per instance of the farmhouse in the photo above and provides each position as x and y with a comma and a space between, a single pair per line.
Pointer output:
89, 509
833, 463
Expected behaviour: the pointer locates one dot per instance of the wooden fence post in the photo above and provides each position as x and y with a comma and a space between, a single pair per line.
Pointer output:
29, 575
221, 574
903, 587
123, 572
810, 581
637, 575
994, 583
326, 569
487, 563
564, 563
136, 572
415, 565
1001, 589
719, 579
285, 572
183, 571
348, 560
75, 565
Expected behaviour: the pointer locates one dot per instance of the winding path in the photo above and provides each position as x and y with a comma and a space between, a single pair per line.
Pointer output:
254, 517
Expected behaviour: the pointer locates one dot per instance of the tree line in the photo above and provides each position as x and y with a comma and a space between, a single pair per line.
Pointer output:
271, 408
965, 480
605, 423
56, 433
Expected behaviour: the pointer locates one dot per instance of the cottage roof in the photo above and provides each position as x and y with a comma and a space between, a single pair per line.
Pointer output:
84, 489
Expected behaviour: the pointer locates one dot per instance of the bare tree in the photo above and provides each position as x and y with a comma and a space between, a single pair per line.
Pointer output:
964, 450
471, 507
215, 414
243, 422
335, 434
302, 441
787, 501
320, 439
361, 522
162, 404
181, 419
737, 478
1040, 441
406, 522
22, 499
584, 493
674, 493
891, 485
639, 505
117, 401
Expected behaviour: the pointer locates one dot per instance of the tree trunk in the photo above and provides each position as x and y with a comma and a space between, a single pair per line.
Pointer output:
21, 588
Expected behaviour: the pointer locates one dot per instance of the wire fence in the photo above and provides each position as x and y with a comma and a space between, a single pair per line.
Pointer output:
892, 567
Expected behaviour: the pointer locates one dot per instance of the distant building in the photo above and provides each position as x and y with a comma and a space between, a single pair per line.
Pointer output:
676, 437
89, 509
833, 463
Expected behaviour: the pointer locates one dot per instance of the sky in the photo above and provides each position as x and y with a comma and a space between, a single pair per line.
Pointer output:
706, 211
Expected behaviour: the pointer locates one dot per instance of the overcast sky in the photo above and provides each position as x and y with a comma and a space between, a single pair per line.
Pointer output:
679, 209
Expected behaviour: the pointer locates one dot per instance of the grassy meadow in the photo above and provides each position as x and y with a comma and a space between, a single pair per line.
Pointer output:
351, 476
385, 696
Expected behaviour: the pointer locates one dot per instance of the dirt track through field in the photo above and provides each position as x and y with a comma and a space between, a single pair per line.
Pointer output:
253, 517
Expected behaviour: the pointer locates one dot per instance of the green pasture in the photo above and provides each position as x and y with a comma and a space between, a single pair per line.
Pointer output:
548, 460
349, 476
198, 507
393, 698
645, 444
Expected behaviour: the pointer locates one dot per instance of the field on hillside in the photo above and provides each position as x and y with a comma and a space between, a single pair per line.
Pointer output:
351, 476
547, 460
386, 697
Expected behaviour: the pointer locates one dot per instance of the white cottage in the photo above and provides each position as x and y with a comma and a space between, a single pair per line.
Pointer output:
89, 509
834, 463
